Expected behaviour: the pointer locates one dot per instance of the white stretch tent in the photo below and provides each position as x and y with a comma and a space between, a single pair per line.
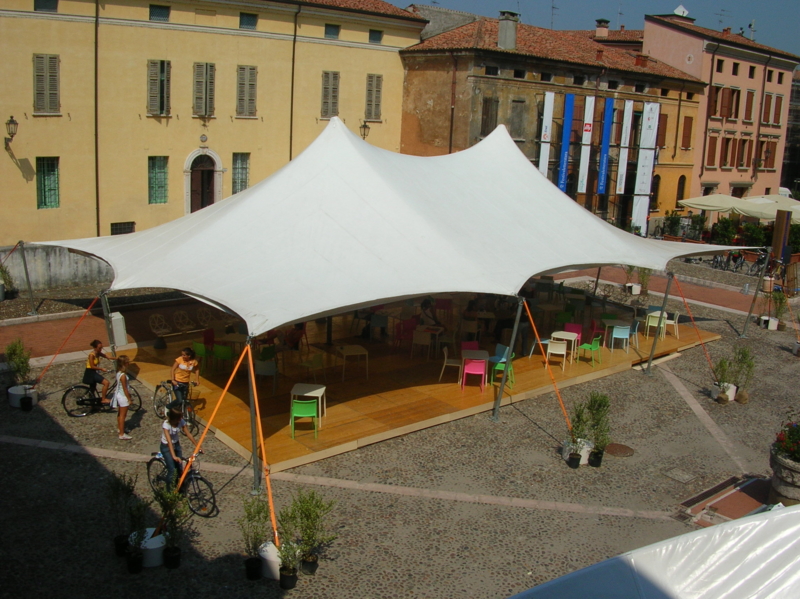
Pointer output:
756, 557
347, 224
760, 207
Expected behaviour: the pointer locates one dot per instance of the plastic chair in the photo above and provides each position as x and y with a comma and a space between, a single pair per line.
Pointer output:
182, 321
571, 327
674, 322
450, 362
404, 331
303, 408
500, 354
469, 345
623, 333
635, 333
223, 353
421, 338
501, 366
201, 351
267, 368
597, 327
159, 326
592, 347
657, 320
563, 318
470, 327
315, 363
268, 352
557, 348
474, 367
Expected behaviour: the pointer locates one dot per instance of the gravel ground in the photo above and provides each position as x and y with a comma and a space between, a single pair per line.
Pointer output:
400, 545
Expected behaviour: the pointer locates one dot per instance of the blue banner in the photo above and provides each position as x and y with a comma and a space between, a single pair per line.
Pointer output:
608, 118
566, 134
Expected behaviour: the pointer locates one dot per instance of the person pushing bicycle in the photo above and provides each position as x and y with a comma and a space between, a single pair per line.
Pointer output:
181, 375
171, 443
92, 375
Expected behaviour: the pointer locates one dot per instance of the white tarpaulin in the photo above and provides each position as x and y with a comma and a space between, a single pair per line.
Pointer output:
347, 224
756, 557
761, 207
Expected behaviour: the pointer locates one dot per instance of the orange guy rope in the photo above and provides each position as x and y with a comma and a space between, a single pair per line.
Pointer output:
694, 324
8, 255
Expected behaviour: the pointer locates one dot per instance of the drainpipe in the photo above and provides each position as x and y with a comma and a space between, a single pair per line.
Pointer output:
758, 115
96, 117
291, 93
708, 114
678, 124
452, 103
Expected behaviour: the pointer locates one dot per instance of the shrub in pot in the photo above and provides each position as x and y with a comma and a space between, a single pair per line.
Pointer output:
311, 512
723, 388
576, 450
256, 530
599, 407
137, 513
18, 359
644, 278
174, 521
121, 492
742, 368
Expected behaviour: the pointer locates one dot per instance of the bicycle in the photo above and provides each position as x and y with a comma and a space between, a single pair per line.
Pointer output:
199, 491
755, 267
718, 261
81, 400
164, 395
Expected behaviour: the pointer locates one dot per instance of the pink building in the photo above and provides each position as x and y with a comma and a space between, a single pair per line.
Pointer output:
741, 134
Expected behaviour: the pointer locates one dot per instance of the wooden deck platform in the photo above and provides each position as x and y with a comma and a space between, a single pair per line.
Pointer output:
400, 396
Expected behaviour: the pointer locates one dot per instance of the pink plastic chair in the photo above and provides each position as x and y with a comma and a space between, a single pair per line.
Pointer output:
474, 367
574, 328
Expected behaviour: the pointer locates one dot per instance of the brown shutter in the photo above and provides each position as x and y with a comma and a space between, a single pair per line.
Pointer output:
725, 104
686, 142
39, 82
210, 78
767, 108
711, 154
776, 119
241, 90
167, 87
748, 105
489, 115
153, 87
749, 158
53, 104
736, 97
199, 104
772, 148
661, 134
713, 96
740, 153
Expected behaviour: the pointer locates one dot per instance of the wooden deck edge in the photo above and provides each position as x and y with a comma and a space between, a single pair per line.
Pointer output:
314, 456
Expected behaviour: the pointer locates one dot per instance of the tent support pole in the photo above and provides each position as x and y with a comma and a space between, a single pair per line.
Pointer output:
755, 293
496, 409
33, 311
597, 280
670, 275
329, 332
107, 317
253, 427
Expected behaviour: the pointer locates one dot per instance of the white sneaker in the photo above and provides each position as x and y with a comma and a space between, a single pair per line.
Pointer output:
125, 437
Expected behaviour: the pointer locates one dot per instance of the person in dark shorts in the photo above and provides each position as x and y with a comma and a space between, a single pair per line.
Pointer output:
92, 375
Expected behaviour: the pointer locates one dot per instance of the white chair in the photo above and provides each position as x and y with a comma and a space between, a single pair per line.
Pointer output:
674, 322
557, 348
449, 362
470, 326
267, 368
421, 338
656, 320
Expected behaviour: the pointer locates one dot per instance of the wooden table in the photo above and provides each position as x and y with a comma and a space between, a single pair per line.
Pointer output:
572, 338
311, 390
352, 350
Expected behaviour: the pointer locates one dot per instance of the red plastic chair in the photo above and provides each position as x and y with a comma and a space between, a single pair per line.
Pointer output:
469, 345
474, 367
574, 328
404, 331
597, 328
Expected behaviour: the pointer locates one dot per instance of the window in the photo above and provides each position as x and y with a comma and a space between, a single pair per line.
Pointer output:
157, 179
158, 87
491, 71
489, 115
742, 152
686, 140
767, 113
159, 13
690, 95
330, 94
748, 105
639, 88
725, 152
654, 189
332, 31
46, 83
664, 92
711, 152
780, 78
516, 126
246, 90
751, 74
375, 36
45, 5
46, 182
681, 192
123, 228
720, 65
248, 20
769, 75
776, 115
735, 68
241, 171
374, 93
204, 75
713, 100
613, 84
519, 73
547, 76
578, 80
661, 132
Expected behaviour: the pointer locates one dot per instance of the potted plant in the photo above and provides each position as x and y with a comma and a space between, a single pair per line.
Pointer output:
785, 463
599, 407
632, 288
18, 358
120, 492
256, 531
644, 278
137, 514
723, 390
742, 368
7, 287
290, 551
311, 512
781, 306
175, 521
576, 450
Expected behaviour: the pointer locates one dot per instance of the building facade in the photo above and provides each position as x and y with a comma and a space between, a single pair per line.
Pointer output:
133, 114
790, 175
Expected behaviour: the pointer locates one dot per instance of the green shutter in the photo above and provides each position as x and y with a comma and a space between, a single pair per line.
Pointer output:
334, 93
53, 104
326, 94
241, 90
153, 86
369, 108
376, 110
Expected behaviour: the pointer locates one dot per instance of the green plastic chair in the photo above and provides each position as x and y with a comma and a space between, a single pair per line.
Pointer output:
201, 351
302, 408
267, 353
223, 353
563, 318
501, 366
592, 347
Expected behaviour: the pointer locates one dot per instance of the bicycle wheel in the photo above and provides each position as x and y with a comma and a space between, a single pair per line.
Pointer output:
157, 473
161, 398
136, 399
200, 496
191, 418
78, 401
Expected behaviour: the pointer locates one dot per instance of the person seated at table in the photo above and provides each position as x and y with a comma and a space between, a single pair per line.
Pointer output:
428, 315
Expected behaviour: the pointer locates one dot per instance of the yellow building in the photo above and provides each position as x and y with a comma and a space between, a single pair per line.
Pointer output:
132, 114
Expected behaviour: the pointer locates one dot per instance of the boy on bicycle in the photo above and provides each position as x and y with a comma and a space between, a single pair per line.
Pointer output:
92, 376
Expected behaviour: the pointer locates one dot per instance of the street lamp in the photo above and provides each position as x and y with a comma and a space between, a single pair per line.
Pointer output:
11, 129
364, 129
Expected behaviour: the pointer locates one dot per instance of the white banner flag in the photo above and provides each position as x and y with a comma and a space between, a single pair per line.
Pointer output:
586, 143
644, 171
547, 132
622, 165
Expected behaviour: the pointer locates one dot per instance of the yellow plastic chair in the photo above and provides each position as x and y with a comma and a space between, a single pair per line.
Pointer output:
304, 408
315, 363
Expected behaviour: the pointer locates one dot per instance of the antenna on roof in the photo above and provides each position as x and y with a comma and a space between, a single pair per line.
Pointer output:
619, 14
553, 11
752, 28
723, 14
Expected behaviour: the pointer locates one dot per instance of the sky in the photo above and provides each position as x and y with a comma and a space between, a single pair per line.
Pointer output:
777, 22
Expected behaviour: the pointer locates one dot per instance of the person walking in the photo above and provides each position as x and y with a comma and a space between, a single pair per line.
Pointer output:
182, 371
122, 396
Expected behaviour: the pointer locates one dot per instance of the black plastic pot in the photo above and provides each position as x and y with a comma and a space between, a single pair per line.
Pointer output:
596, 458
252, 566
574, 460
121, 545
135, 559
172, 557
26, 403
309, 567
288, 579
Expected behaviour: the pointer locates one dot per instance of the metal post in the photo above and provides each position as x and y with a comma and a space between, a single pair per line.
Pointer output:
253, 427
33, 311
496, 409
107, 318
329, 332
755, 293
597, 280
660, 318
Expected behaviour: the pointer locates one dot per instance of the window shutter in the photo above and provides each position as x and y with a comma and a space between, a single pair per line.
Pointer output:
167, 87
767, 108
199, 89
210, 78
740, 153
241, 90
370, 106
376, 111
39, 82
53, 105
712, 101
661, 134
772, 147
725, 104
749, 153
252, 75
153, 81
748, 106
686, 142
711, 154
325, 109
489, 115
334, 93
778, 105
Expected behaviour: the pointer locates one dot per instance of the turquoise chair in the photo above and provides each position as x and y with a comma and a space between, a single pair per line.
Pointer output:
623, 333
592, 347
501, 366
302, 408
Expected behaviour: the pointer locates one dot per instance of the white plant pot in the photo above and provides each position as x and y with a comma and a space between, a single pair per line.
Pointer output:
634, 288
796, 348
270, 562
583, 447
763, 321
730, 391
773, 323
152, 549
20, 391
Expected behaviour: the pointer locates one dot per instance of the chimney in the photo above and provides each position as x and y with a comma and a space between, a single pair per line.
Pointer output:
622, 27
726, 31
599, 57
601, 30
641, 60
507, 30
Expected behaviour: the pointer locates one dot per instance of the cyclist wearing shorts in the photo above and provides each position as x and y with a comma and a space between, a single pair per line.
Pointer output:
182, 370
171, 443
92, 376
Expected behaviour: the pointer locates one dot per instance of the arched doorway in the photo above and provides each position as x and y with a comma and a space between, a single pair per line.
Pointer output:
202, 182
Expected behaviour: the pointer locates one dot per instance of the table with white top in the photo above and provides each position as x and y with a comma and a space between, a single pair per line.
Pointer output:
352, 350
432, 330
571, 338
311, 390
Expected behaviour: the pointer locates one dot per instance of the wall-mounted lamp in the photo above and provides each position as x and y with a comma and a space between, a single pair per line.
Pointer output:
759, 162
11, 129
364, 129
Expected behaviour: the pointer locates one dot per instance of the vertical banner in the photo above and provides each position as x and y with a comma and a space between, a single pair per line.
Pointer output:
547, 132
586, 143
644, 171
608, 117
622, 166
566, 134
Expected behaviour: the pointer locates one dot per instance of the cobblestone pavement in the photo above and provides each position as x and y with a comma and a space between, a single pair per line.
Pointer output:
442, 526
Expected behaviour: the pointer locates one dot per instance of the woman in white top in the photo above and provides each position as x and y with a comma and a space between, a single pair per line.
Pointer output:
122, 396
171, 442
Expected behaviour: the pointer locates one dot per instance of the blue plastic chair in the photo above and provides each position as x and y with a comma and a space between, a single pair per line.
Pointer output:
623, 333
